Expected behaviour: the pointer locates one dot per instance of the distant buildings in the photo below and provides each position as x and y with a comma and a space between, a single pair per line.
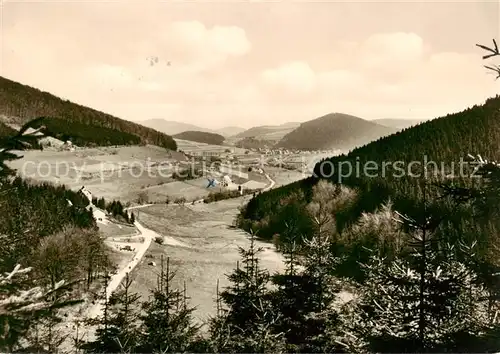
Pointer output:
212, 151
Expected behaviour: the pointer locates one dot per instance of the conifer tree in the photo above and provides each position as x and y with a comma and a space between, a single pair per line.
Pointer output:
21, 306
21, 303
307, 289
118, 332
420, 302
246, 319
167, 325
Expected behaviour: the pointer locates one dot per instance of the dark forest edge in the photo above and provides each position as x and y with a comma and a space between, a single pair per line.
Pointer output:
201, 137
20, 103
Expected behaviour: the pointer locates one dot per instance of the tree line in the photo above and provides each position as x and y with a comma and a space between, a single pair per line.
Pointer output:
115, 208
21, 102
201, 137
50, 250
86, 135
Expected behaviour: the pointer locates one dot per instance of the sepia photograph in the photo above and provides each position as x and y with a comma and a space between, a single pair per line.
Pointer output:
249, 176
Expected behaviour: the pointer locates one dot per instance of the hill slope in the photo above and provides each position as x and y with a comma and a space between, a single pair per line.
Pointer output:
5, 130
172, 127
201, 137
87, 135
333, 131
267, 132
443, 140
398, 123
20, 103
230, 131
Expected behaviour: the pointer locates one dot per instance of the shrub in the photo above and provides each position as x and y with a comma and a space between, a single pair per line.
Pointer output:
143, 198
159, 240
180, 200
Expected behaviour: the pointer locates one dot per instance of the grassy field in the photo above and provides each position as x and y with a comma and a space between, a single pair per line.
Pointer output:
210, 251
116, 230
122, 173
283, 177
191, 190
112, 173
195, 146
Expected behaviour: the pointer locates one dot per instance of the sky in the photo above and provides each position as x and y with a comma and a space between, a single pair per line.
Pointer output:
247, 63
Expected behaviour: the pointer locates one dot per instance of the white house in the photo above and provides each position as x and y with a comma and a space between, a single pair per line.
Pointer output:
100, 216
86, 193
227, 180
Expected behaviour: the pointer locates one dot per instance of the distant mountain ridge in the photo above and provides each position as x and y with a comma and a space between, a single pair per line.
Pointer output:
268, 132
173, 127
230, 131
334, 131
398, 123
21, 103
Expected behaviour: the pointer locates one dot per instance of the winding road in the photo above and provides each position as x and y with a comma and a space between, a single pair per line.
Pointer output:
117, 278
148, 235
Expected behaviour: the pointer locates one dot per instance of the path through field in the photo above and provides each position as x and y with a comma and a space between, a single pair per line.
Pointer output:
211, 253
215, 219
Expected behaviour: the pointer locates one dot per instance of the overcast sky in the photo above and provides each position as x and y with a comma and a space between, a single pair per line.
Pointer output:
248, 63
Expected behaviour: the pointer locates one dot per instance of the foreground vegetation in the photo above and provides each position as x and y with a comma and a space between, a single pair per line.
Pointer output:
5, 130
418, 257
424, 299
50, 251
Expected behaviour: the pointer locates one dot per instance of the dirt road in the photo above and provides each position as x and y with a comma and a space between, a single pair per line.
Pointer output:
117, 278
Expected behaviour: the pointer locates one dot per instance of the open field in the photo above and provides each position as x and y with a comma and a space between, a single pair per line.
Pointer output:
283, 177
210, 249
116, 230
191, 190
122, 173
112, 173
186, 145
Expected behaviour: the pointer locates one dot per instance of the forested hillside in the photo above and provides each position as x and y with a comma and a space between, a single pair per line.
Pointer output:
82, 134
445, 141
260, 132
5, 130
20, 103
201, 137
253, 143
31, 212
50, 250
333, 131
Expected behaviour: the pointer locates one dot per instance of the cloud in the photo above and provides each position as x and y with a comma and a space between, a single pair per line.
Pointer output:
195, 47
396, 68
296, 78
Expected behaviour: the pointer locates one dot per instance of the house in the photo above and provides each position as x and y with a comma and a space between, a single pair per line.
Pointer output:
86, 193
100, 216
227, 181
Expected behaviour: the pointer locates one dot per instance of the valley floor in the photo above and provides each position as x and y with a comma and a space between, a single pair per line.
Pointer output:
209, 250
